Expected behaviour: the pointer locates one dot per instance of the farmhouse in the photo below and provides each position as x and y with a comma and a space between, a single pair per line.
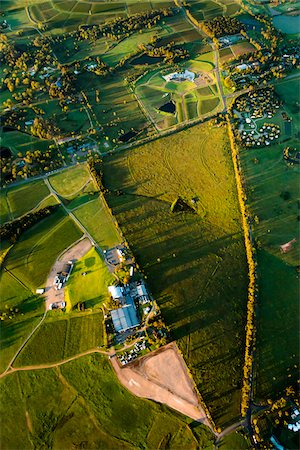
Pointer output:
180, 76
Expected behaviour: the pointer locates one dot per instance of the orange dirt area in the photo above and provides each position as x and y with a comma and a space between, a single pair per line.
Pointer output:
162, 376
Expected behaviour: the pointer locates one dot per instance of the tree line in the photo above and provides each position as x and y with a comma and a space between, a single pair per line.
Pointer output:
12, 230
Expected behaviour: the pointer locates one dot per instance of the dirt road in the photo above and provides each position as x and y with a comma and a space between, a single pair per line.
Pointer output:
162, 376
74, 253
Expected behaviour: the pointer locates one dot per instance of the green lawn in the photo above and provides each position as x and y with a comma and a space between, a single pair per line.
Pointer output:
90, 289
273, 192
195, 263
82, 401
60, 338
95, 218
26, 197
68, 182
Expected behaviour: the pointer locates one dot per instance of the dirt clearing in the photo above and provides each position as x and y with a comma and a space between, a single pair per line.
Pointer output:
163, 377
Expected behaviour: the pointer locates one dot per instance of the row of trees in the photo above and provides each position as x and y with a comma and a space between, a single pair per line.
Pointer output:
12, 230
250, 325
95, 166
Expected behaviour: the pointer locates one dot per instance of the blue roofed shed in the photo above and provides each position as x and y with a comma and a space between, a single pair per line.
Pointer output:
126, 317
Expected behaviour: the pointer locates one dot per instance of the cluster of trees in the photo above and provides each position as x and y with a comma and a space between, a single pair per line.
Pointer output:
33, 163
170, 52
12, 230
221, 26
250, 325
95, 166
8, 313
181, 205
44, 129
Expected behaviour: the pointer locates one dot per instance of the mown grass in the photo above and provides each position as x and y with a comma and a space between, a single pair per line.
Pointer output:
97, 220
70, 181
268, 177
26, 197
60, 338
195, 263
82, 401
90, 289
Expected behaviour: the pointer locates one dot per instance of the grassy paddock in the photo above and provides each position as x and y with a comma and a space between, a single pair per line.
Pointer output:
32, 257
68, 182
195, 263
96, 219
26, 197
62, 409
278, 318
62, 338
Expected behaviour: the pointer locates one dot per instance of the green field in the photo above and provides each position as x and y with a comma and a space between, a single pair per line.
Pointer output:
97, 220
62, 338
26, 197
22, 142
25, 268
67, 408
273, 192
32, 257
195, 263
71, 181
90, 289
278, 319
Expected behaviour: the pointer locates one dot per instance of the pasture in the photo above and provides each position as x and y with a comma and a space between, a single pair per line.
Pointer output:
273, 194
71, 181
90, 289
24, 198
66, 408
32, 257
190, 99
25, 268
273, 200
96, 219
194, 262
60, 338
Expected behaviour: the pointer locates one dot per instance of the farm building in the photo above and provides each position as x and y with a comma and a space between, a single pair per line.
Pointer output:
116, 292
180, 76
142, 293
125, 318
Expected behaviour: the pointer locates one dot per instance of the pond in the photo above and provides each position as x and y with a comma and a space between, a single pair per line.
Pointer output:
168, 108
146, 59
127, 136
287, 24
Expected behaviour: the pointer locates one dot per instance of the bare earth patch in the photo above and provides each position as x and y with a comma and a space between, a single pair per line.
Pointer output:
162, 376
74, 253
